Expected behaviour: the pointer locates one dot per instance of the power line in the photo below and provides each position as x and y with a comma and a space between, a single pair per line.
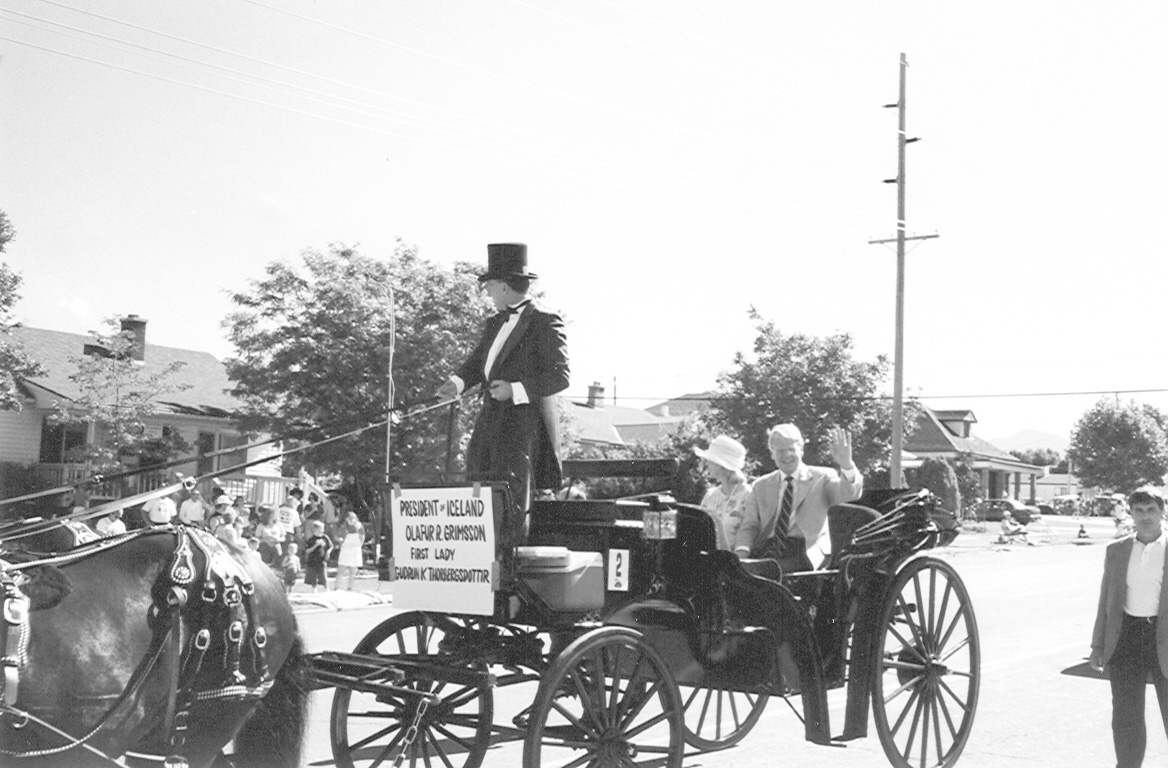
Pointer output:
524, 83
664, 189
878, 398
734, 195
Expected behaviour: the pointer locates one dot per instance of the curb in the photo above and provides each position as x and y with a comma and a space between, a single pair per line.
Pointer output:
338, 600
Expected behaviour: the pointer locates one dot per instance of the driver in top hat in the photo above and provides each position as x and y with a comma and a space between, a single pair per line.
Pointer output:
521, 362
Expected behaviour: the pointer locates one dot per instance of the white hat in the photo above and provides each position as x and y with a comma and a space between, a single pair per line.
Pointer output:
223, 500
725, 452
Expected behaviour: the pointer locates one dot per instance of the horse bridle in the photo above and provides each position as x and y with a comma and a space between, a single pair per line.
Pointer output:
168, 627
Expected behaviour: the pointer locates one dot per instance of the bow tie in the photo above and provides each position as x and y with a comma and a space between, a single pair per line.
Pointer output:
508, 311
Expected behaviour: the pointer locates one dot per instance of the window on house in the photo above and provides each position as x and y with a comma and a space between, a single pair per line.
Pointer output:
235, 458
60, 442
205, 444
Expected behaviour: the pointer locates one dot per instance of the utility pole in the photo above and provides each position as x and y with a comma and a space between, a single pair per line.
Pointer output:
895, 474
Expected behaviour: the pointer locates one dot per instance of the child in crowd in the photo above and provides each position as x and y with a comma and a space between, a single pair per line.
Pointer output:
227, 531
111, 524
290, 567
316, 553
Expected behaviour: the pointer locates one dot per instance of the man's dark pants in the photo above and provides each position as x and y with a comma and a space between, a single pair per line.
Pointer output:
1134, 659
505, 441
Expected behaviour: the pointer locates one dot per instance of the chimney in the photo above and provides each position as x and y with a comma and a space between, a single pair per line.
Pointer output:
595, 395
136, 326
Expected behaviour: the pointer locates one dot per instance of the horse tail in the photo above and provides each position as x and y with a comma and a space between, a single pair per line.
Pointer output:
273, 737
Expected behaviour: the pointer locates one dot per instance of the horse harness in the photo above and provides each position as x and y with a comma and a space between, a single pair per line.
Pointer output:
201, 610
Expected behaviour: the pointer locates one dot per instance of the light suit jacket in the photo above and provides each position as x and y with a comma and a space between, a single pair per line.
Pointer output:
1113, 592
816, 489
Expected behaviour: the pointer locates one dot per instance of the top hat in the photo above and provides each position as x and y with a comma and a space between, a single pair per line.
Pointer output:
725, 452
506, 260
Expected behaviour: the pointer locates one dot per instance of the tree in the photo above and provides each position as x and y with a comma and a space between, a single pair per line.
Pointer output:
814, 383
968, 480
15, 363
939, 477
1039, 457
118, 396
312, 353
688, 485
1120, 446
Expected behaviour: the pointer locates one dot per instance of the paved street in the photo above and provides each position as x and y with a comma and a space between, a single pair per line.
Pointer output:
1035, 606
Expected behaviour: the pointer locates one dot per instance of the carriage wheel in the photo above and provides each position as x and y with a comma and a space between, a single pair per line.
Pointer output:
608, 699
927, 668
717, 717
367, 730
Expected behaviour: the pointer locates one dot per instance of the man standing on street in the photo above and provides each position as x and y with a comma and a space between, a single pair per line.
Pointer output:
786, 511
1130, 637
521, 362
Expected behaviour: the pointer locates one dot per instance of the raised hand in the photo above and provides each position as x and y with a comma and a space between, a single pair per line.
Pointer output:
840, 444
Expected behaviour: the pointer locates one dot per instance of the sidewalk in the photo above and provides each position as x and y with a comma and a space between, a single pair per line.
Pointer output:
367, 591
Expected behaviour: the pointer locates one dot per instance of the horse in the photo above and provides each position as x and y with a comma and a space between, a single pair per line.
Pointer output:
120, 656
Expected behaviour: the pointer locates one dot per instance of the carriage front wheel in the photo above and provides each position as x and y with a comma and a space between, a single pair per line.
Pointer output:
608, 699
927, 667
368, 728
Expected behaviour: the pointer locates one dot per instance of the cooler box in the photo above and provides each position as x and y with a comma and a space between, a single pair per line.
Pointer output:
565, 580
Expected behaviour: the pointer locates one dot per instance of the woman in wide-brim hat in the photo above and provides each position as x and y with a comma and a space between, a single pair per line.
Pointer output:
724, 461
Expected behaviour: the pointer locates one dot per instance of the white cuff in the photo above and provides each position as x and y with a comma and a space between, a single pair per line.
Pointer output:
459, 384
519, 394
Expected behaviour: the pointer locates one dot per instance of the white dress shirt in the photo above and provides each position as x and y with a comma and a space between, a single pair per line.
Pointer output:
518, 392
1145, 572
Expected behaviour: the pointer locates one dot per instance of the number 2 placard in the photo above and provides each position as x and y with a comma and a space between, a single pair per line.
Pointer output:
618, 570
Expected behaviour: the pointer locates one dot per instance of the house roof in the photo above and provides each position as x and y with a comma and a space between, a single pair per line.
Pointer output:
682, 406
207, 395
618, 425
933, 437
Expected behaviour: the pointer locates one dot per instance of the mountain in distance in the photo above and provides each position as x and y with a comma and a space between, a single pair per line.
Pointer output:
1029, 439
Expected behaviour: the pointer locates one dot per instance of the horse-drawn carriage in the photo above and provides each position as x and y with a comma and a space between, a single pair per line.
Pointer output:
641, 638
638, 635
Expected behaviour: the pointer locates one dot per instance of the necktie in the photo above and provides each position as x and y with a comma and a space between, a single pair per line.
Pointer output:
785, 508
508, 311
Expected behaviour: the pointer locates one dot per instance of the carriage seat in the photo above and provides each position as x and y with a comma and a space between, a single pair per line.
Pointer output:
564, 579
843, 520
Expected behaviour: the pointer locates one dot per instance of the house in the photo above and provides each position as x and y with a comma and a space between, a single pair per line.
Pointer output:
684, 405
31, 444
949, 435
599, 424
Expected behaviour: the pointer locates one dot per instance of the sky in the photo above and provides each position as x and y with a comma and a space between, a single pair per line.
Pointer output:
670, 165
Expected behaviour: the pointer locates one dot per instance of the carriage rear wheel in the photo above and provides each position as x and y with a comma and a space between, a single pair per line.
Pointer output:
608, 699
927, 667
717, 717
369, 729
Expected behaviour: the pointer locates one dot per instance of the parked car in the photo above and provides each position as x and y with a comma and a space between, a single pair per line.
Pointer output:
1067, 504
1044, 508
992, 509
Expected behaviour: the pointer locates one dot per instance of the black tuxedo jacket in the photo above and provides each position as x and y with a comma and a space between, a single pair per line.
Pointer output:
536, 356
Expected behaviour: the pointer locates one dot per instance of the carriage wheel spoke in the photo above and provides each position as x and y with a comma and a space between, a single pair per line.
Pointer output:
916, 721
614, 693
948, 717
963, 642
439, 751
908, 705
647, 725
587, 728
370, 739
459, 740
918, 641
639, 706
914, 648
959, 701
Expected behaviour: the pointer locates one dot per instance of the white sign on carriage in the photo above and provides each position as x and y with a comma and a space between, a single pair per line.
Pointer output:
443, 549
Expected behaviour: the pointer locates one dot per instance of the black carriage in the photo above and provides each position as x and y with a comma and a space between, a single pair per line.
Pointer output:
643, 638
